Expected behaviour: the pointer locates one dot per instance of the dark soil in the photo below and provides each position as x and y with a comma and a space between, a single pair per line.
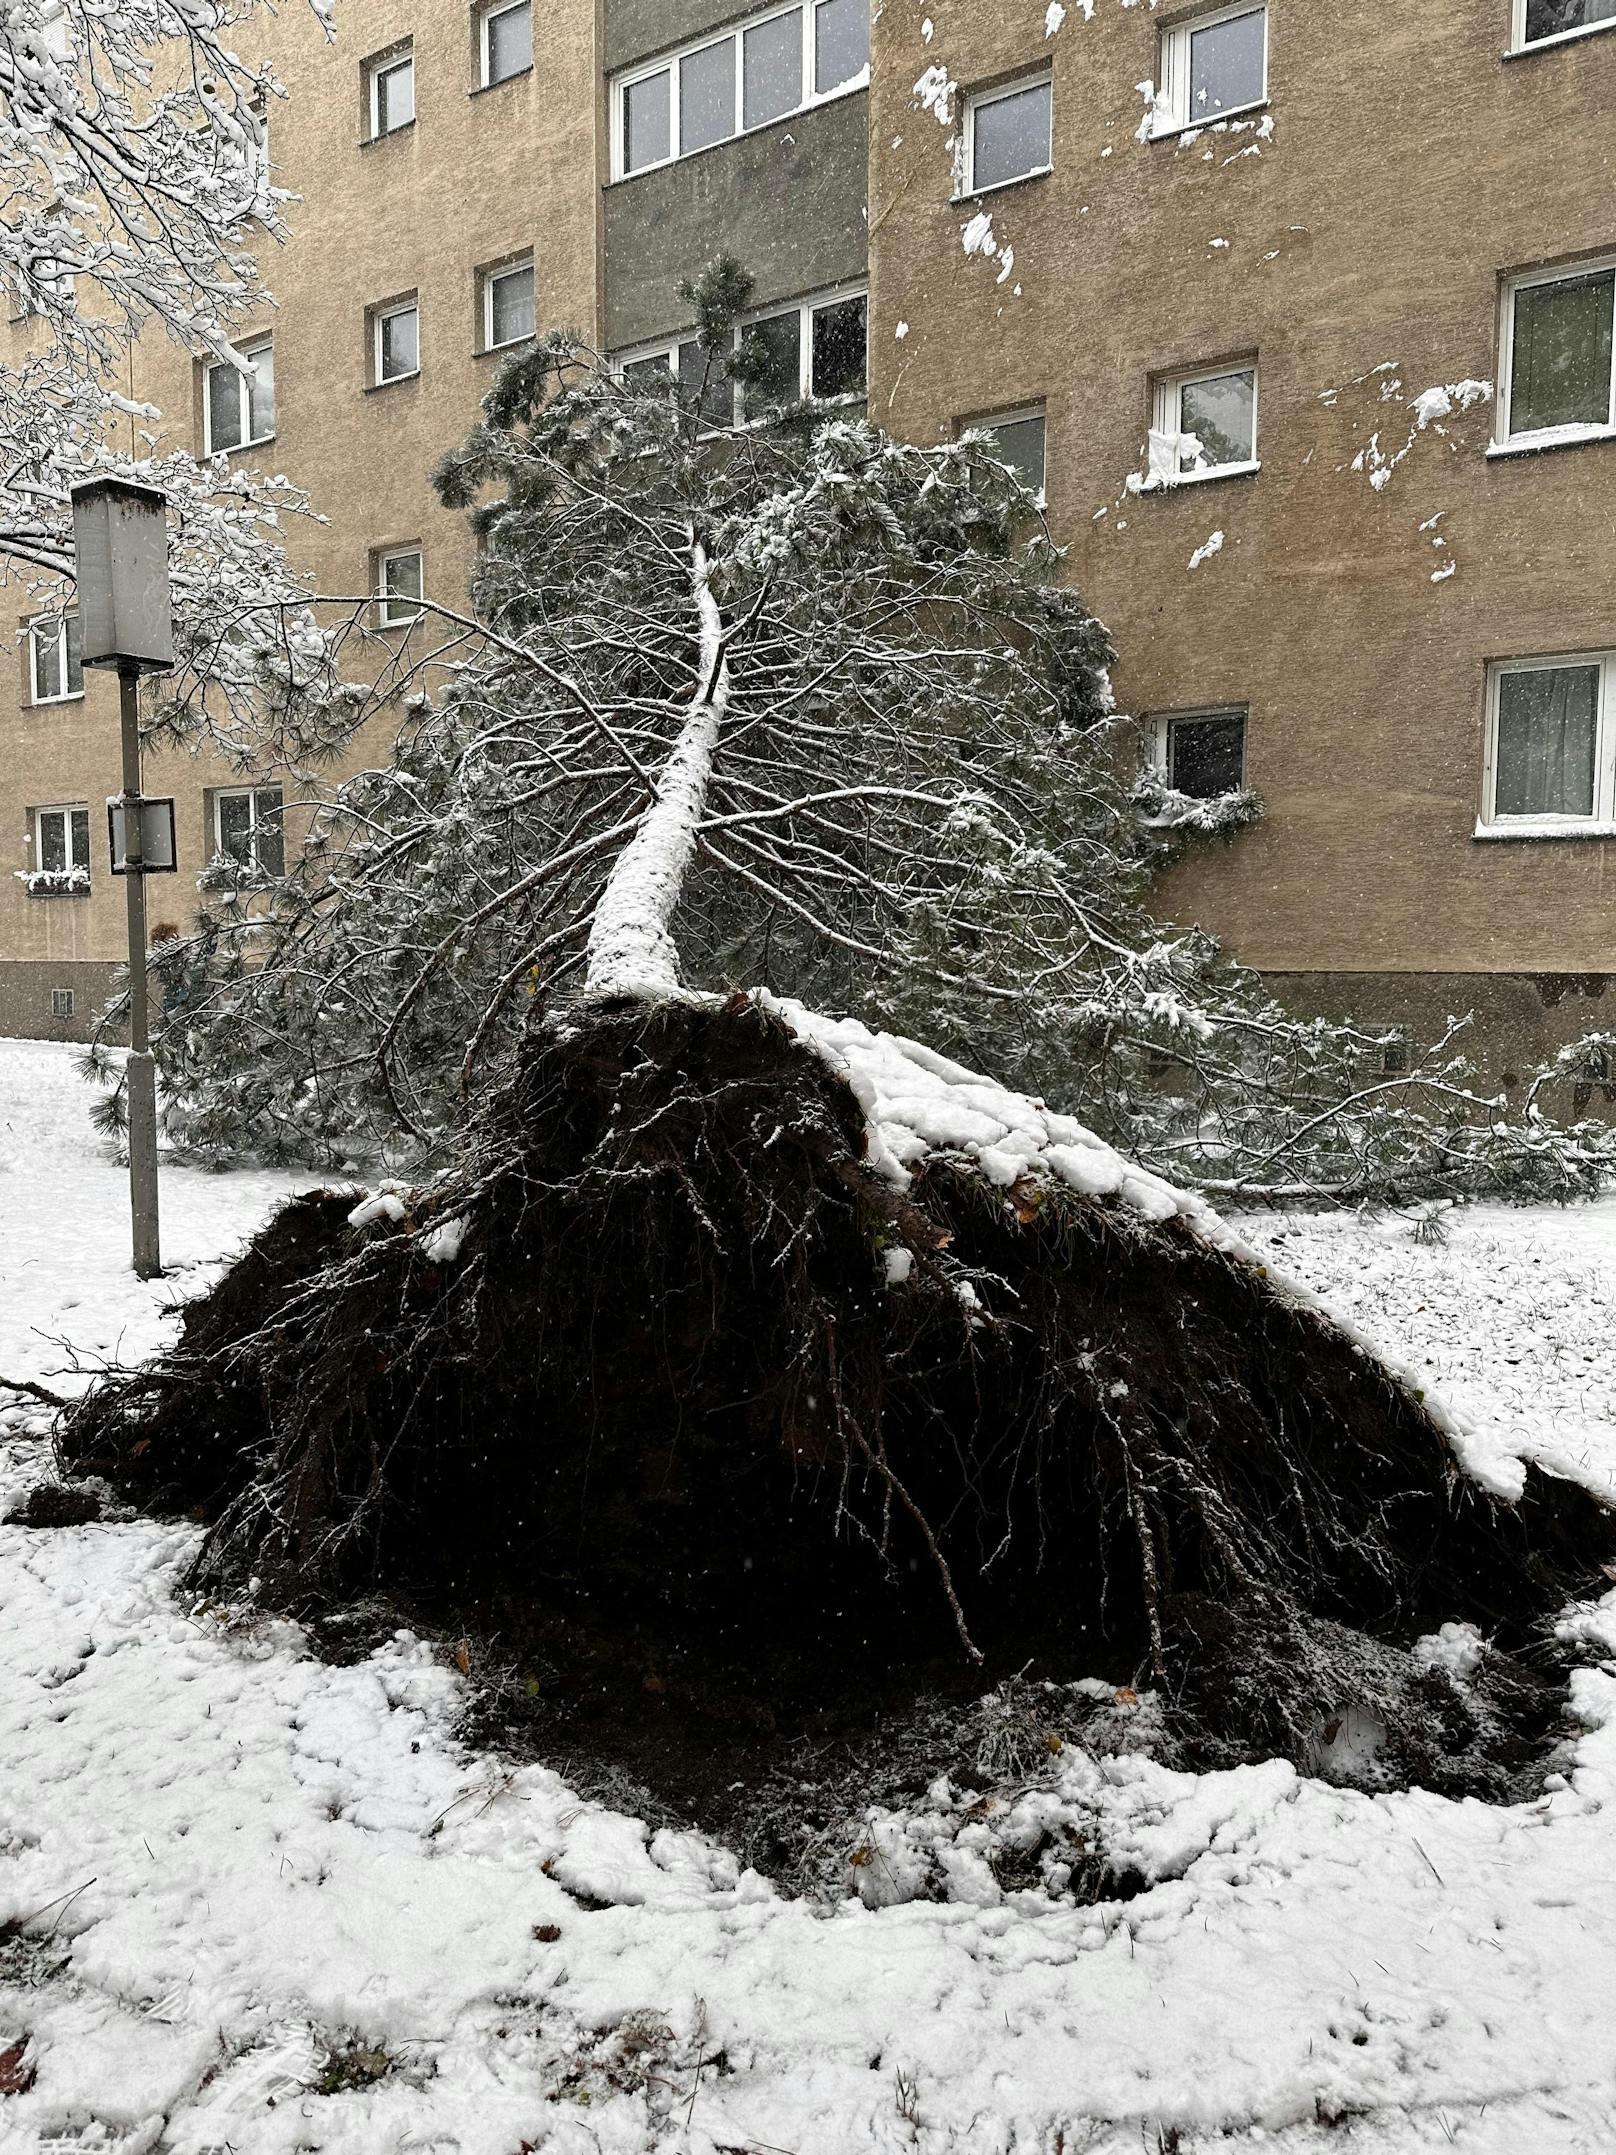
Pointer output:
714, 1504
51, 1504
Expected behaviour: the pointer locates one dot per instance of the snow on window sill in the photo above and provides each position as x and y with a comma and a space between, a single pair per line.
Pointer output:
1247, 470
1531, 828
1570, 437
1561, 37
980, 194
1175, 129
49, 703
55, 882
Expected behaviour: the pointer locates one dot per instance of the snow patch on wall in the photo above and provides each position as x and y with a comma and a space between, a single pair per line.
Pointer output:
1214, 545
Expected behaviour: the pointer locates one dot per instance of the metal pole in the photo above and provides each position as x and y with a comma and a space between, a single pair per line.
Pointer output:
141, 1075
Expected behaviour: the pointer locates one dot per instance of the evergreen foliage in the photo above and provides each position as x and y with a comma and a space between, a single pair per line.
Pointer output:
820, 702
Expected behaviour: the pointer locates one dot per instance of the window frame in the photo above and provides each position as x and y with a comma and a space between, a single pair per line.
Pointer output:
1013, 415
667, 349
1519, 42
486, 18
377, 68
67, 694
389, 311
216, 800
1199, 714
1173, 66
1505, 440
67, 810
487, 278
1167, 411
249, 440
414, 551
671, 62
966, 189
1601, 821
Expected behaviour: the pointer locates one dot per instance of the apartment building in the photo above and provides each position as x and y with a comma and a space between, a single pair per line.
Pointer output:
1300, 318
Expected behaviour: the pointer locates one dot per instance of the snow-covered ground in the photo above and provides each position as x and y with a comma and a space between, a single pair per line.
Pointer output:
303, 1919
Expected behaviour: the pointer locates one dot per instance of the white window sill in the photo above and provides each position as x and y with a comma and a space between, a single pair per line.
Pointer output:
492, 351
1550, 438
239, 448
50, 703
1561, 37
1528, 828
980, 194
860, 81
1201, 478
396, 381
1172, 130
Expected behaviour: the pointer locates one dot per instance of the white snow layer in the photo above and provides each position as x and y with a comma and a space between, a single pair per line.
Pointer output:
270, 1857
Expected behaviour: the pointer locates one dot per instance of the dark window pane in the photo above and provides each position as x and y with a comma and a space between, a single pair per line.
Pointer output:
81, 838
269, 842
224, 407
1021, 444
647, 121
261, 391
1547, 718
841, 42
771, 69
75, 665
401, 586
1207, 756
1560, 375
1227, 66
400, 344
1012, 137
47, 660
235, 826
510, 306
1551, 18
653, 371
1221, 413
707, 96
510, 42
53, 842
703, 375
840, 340
777, 343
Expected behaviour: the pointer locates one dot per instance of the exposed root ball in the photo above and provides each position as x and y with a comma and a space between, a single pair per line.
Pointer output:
647, 1358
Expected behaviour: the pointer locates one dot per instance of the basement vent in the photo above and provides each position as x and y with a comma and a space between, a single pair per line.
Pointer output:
63, 1002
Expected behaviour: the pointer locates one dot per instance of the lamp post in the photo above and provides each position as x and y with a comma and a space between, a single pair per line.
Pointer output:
120, 538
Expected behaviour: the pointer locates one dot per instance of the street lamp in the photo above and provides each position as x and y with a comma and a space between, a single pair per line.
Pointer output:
120, 538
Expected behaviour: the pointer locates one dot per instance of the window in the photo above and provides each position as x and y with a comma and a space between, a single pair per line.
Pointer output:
747, 77
1212, 67
1543, 22
396, 330
392, 94
62, 840
53, 658
64, 1002
1558, 364
1551, 743
399, 585
1007, 136
815, 348
1396, 1051
508, 313
248, 828
1019, 439
1203, 754
239, 407
505, 41
1206, 425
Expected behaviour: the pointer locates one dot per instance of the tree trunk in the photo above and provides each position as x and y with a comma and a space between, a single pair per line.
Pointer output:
631, 948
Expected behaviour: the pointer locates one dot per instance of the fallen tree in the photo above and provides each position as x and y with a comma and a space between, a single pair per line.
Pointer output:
705, 1340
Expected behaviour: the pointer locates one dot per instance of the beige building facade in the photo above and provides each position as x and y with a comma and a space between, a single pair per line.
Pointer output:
1297, 314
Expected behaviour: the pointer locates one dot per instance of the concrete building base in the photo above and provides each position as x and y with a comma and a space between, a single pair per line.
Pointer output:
27, 988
